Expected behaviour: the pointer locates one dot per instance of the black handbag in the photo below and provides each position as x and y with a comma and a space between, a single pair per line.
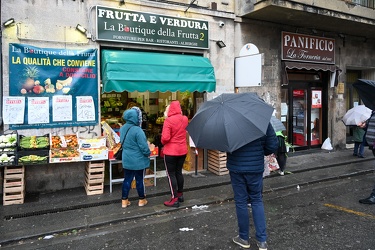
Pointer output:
118, 155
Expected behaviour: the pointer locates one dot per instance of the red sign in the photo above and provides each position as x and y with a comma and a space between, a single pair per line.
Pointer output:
305, 48
298, 93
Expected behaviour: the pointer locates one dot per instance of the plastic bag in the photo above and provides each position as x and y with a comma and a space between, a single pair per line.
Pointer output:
270, 164
327, 144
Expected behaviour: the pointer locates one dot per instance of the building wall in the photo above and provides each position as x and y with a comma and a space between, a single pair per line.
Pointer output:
353, 53
51, 24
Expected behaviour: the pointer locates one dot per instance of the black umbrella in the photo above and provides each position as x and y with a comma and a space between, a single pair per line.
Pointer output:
230, 121
366, 91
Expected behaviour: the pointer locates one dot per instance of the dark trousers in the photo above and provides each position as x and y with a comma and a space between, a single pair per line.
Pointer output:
173, 166
281, 160
129, 175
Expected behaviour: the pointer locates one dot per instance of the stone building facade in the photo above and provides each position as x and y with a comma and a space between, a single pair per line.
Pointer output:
240, 25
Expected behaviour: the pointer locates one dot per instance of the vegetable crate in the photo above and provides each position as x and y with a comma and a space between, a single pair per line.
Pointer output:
217, 162
8, 149
94, 181
14, 185
31, 157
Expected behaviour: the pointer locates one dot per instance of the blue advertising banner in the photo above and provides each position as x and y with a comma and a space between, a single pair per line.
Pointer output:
60, 86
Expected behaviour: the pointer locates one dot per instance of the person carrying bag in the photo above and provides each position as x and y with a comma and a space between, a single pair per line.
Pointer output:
135, 156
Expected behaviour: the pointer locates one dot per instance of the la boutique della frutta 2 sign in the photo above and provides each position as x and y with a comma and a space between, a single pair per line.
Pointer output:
127, 26
305, 48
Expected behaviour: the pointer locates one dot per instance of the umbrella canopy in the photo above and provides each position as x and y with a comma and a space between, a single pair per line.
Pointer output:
277, 124
356, 115
230, 121
366, 91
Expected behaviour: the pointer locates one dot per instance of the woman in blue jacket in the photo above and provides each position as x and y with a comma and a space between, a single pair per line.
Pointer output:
246, 166
135, 156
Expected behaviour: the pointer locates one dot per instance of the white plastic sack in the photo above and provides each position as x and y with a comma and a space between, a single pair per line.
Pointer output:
327, 144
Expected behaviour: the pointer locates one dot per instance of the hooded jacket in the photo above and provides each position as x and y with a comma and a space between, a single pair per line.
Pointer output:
173, 136
250, 158
135, 152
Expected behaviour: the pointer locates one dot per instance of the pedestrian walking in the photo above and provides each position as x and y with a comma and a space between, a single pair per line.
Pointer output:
281, 154
358, 136
173, 138
135, 155
370, 139
246, 166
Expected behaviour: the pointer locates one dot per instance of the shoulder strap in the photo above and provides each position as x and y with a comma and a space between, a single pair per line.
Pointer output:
125, 136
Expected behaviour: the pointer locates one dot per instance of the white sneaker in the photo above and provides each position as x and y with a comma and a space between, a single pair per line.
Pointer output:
281, 172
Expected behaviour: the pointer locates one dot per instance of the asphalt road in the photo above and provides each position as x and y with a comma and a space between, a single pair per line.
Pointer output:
324, 215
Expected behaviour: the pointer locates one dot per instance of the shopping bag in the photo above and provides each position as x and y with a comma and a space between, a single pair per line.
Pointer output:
118, 154
327, 144
271, 162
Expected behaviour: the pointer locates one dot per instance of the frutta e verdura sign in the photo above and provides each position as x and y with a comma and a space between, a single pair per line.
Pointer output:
120, 25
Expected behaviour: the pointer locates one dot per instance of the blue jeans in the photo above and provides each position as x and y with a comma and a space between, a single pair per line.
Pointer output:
139, 180
359, 148
245, 186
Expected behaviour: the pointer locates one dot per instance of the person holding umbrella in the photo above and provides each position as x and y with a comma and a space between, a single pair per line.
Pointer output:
239, 124
370, 138
246, 166
173, 137
359, 138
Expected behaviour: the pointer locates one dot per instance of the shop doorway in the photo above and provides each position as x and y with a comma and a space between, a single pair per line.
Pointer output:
306, 119
352, 99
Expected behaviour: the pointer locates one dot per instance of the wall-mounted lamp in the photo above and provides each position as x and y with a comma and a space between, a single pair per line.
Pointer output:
8, 22
341, 35
314, 31
81, 29
221, 44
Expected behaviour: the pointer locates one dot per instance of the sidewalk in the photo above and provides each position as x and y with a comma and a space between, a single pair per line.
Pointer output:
67, 210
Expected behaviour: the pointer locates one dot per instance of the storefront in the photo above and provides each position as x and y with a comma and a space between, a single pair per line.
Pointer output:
151, 81
308, 72
134, 58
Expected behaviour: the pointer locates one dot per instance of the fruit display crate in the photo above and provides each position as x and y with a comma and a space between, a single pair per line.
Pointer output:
94, 177
14, 185
63, 141
217, 162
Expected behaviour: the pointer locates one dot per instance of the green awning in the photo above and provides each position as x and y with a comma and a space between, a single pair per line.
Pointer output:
146, 71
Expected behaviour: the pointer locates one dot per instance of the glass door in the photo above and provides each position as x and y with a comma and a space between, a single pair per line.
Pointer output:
299, 117
306, 116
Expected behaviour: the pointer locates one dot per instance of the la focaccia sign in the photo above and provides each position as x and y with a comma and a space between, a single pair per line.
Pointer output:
120, 25
305, 48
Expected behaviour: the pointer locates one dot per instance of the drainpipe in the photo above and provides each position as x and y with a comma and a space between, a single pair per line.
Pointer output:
1, 80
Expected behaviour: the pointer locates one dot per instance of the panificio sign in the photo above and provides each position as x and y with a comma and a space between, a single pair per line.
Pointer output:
305, 48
